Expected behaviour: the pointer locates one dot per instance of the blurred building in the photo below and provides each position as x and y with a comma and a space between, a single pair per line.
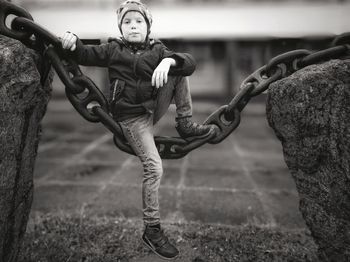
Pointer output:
115, 3
229, 38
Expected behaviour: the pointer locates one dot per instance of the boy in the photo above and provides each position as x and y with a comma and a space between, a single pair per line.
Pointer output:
144, 78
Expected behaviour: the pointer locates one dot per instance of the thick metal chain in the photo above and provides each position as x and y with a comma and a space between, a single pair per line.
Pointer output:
90, 102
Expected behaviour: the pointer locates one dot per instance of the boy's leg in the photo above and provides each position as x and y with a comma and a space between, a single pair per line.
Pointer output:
138, 132
176, 88
179, 89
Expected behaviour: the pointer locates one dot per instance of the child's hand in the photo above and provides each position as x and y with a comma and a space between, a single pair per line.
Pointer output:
69, 41
160, 74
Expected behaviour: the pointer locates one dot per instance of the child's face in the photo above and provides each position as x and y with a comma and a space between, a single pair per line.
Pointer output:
134, 27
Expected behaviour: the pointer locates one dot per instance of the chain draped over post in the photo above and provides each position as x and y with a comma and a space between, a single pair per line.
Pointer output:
90, 102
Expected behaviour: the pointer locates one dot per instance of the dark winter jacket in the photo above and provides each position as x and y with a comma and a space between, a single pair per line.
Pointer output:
130, 71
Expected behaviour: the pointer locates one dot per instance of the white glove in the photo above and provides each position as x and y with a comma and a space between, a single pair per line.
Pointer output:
160, 74
69, 41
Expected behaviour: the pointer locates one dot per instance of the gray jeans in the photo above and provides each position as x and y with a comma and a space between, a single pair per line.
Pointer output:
139, 132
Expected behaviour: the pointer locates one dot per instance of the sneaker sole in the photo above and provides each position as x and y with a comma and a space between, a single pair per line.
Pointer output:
190, 139
155, 252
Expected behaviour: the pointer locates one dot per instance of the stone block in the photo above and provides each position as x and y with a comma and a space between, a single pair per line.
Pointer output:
309, 112
23, 101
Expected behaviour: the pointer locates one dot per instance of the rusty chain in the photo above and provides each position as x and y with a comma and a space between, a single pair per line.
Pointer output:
90, 102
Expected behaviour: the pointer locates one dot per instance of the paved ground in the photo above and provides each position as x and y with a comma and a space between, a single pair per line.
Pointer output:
241, 180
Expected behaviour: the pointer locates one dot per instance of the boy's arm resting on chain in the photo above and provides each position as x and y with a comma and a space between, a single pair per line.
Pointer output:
185, 63
160, 74
89, 55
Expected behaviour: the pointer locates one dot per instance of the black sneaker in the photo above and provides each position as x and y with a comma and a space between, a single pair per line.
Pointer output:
190, 131
155, 240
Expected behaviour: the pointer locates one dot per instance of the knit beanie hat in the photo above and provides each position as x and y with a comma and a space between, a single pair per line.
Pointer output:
134, 5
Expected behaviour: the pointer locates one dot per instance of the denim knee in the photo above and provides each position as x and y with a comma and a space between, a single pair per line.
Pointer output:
177, 79
153, 168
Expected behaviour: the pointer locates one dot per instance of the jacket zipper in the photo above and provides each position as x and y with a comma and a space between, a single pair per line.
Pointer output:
115, 89
136, 59
138, 82
138, 91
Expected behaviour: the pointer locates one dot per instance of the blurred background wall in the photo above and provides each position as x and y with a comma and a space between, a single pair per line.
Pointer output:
229, 38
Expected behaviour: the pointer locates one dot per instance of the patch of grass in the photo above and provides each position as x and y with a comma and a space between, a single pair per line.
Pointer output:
68, 238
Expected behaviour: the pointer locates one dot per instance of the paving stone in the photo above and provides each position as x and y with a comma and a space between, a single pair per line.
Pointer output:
167, 129
264, 162
126, 201
254, 122
61, 109
218, 178
278, 178
67, 118
112, 155
84, 173
172, 163
58, 123
231, 208
64, 122
266, 145
109, 144
45, 166
61, 151
171, 176
284, 206
48, 136
254, 128
130, 175
121, 201
61, 198
78, 138
133, 175
208, 158
222, 147
67, 122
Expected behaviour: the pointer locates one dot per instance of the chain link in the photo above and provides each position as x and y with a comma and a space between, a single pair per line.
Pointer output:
288, 60
343, 39
41, 35
90, 102
239, 101
8, 9
64, 70
261, 81
323, 55
224, 127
